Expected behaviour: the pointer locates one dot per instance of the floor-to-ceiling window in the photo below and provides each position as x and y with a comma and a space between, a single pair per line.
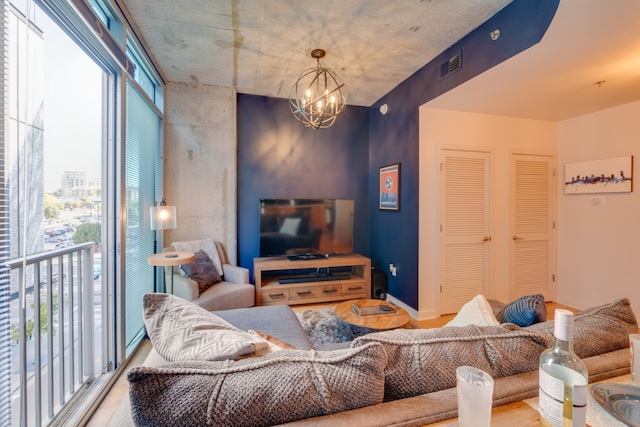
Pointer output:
72, 206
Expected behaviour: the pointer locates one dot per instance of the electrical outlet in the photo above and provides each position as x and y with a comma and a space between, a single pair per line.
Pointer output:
393, 269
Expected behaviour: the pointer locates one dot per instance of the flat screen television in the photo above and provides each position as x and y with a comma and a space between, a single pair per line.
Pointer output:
306, 228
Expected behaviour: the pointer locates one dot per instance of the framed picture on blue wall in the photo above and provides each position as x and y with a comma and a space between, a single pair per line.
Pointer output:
390, 188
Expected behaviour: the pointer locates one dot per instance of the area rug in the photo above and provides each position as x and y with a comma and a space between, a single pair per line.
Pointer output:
323, 327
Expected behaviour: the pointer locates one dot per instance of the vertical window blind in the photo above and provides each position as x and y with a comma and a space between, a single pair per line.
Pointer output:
5, 294
143, 127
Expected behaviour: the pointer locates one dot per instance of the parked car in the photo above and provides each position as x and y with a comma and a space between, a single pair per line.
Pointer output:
97, 271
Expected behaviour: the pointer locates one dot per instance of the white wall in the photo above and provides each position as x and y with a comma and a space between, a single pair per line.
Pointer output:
200, 163
502, 136
599, 246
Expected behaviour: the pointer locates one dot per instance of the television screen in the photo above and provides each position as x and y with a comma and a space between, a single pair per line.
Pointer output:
306, 226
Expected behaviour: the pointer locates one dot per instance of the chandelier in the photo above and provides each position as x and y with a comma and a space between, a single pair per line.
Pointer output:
318, 95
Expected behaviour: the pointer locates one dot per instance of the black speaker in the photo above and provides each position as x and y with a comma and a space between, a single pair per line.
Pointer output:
378, 284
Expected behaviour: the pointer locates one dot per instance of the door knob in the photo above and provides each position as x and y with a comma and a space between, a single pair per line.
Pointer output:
486, 239
517, 238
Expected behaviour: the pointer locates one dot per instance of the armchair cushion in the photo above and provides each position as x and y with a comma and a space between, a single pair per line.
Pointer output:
202, 271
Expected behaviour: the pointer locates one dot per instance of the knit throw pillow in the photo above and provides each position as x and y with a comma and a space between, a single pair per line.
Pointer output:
425, 360
202, 271
524, 311
600, 329
280, 387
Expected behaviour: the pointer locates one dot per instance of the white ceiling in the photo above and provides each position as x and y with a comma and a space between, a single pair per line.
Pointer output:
588, 41
261, 46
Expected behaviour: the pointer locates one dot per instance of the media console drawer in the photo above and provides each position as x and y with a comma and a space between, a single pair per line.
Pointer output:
269, 291
308, 292
333, 290
275, 295
353, 289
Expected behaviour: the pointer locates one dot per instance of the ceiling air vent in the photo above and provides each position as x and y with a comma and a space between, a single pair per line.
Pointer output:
451, 66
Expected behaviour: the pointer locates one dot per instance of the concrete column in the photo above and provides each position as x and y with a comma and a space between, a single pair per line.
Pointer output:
200, 163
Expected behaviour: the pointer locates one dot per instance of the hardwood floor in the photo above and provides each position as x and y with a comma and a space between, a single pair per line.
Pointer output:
108, 406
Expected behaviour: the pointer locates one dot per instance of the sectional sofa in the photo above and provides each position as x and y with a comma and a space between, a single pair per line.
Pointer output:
392, 378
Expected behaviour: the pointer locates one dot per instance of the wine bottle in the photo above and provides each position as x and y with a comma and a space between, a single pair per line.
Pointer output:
563, 379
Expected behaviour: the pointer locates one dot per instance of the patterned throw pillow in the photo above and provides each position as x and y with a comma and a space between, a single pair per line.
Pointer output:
524, 311
278, 388
180, 330
202, 271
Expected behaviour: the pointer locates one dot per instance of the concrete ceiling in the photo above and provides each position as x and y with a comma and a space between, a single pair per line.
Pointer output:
589, 41
261, 46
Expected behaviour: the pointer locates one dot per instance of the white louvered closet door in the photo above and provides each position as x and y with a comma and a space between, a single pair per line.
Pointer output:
465, 239
532, 226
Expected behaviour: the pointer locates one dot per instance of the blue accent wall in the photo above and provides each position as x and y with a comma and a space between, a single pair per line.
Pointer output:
278, 157
394, 137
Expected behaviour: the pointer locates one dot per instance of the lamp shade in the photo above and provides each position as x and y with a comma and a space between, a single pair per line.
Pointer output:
163, 217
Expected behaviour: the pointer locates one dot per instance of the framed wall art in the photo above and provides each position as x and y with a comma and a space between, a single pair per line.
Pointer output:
599, 176
390, 188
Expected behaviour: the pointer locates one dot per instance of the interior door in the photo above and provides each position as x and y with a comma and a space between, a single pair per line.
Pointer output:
465, 239
532, 244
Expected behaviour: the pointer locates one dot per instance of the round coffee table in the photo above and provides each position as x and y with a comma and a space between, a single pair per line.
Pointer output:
368, 324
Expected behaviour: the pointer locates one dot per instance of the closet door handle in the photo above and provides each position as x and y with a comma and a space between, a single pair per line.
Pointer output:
517, 238
486, 239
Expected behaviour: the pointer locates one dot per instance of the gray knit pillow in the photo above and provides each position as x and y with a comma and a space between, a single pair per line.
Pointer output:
425, 360
600, 329
280, 387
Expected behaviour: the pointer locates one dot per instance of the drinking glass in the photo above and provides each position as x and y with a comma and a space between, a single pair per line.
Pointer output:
475, 393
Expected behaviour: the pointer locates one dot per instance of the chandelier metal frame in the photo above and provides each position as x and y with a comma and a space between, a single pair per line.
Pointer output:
318, 96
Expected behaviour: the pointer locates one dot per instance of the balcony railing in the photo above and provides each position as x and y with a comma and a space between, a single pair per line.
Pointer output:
52, 313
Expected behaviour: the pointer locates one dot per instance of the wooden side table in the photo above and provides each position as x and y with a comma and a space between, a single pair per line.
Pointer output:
171, 259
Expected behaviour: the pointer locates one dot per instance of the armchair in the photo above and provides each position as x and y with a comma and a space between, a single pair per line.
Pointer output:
234, 291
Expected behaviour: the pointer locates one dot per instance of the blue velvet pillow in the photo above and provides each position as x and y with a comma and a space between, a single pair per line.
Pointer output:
524, 311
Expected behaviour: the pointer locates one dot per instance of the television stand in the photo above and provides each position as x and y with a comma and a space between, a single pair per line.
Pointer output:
338, 286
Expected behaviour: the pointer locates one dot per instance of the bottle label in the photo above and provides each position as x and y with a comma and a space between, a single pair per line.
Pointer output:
563, 402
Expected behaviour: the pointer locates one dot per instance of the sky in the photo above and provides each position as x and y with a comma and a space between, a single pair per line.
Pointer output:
72, 107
